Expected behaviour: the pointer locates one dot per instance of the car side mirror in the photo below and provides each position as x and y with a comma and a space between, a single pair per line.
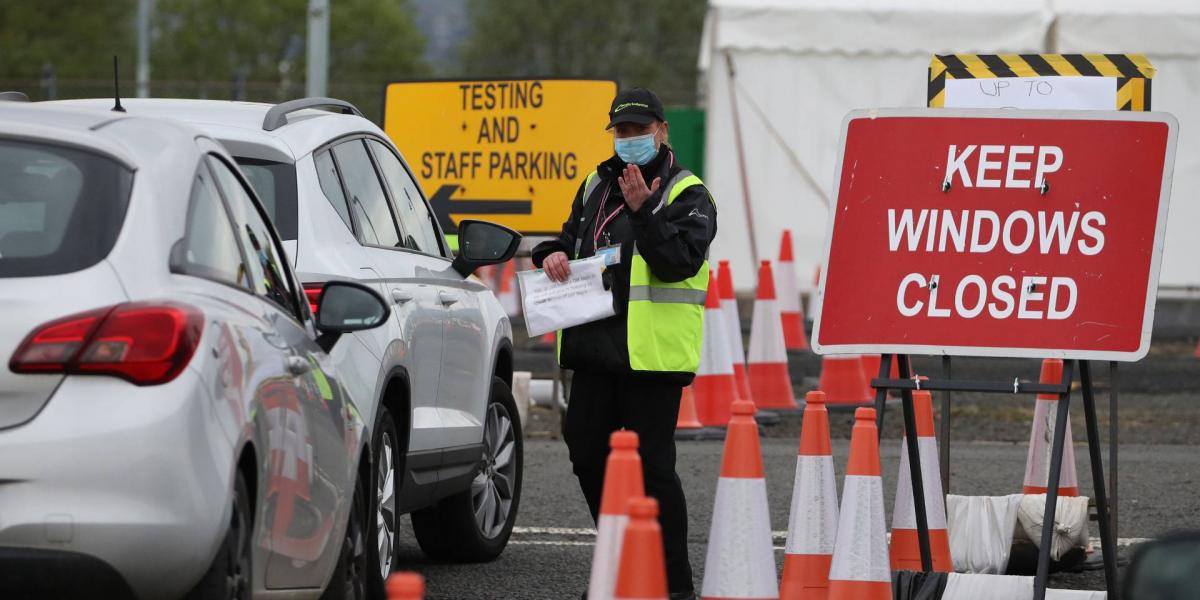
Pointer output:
346, 306
1164, 568
481, 243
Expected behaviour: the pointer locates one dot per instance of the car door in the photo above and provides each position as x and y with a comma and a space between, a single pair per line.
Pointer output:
465, 366
305, 421
408, 285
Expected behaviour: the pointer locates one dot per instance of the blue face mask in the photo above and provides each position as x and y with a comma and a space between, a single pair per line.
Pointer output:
636, 150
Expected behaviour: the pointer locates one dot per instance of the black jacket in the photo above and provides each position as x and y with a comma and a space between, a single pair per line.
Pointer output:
674, 242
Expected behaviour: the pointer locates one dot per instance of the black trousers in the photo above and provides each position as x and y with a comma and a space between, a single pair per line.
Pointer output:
602, 403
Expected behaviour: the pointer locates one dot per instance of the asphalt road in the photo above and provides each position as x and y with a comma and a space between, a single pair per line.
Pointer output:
550, 552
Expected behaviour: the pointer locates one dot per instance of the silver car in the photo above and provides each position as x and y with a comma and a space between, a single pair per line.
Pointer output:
435, 381
169, 421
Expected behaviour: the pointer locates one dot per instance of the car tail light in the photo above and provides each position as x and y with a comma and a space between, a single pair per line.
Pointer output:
147, 343
312, 291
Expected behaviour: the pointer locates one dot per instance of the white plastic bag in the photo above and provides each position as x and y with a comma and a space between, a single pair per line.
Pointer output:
1070, 523
981, 531
1052, 594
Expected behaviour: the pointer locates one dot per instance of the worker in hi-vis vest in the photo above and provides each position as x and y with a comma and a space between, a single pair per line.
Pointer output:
653, 221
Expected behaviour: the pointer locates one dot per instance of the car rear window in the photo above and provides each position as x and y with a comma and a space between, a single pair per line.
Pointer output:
275, 184
60, 208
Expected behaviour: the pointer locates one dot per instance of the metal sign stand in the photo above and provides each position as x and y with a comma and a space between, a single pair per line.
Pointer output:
907, 383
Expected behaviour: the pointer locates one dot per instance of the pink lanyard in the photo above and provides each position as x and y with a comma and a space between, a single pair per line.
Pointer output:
604, 221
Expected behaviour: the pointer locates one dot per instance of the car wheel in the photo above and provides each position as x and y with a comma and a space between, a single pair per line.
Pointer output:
349, 581
384, 535
475, 524
229, 575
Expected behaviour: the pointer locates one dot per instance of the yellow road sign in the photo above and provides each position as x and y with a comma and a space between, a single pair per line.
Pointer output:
512, 151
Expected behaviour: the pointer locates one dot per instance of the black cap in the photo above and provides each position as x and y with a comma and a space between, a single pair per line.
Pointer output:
636, 105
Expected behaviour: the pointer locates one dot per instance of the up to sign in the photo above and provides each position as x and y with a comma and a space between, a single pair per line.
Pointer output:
510, 151
997, 233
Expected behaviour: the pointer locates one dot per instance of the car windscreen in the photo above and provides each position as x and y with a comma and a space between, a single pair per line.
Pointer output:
60, 208
275, 184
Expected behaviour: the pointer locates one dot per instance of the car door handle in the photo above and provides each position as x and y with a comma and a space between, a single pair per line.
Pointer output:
297, 365
400, 296
448, 298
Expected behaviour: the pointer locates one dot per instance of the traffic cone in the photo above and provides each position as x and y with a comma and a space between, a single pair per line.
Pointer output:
906, 550
715, 385
741, 559
1041, 440
643, 571
687, 411
860, 569
405, 586
733, 322
507, 293
842, 379
870, 368
792, 317
622, 481
770, 382
1197, 352
812, 526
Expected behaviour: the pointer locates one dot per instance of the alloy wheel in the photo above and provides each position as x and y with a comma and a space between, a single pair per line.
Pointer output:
492, 489
385, 501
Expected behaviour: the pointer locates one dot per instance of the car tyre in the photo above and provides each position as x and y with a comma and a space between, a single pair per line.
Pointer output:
349, 580
384, 536
475, 524
228, 578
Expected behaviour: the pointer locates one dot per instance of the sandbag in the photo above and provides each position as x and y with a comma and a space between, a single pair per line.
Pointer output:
1070, 523
981, 531
970, 586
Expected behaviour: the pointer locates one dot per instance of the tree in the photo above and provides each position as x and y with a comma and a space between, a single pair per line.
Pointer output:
653, 44
78, 38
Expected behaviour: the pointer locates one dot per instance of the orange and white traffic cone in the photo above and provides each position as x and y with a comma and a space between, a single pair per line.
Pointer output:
687, 412
1041, 440
870, 368
406, 586
507, 291
770, 382
812, 526
906, 550
791, 316
733, 322
860, 569
741, 559
622, 481
842, 379
715, 386
643, 571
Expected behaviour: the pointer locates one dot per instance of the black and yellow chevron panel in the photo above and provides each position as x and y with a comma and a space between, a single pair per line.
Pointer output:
1132, 71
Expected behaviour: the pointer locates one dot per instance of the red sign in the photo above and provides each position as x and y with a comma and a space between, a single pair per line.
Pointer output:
996, 233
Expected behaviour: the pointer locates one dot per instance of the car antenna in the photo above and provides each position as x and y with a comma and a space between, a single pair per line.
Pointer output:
117, 87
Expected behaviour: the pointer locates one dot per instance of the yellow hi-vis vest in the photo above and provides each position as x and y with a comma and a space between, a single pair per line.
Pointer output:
665, 320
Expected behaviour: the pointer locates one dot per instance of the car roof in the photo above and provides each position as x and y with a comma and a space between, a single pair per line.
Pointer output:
118, 135
240, 124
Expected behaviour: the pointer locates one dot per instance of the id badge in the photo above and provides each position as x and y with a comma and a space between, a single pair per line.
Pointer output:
611, 254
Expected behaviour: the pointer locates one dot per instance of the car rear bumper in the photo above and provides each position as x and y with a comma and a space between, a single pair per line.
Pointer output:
134, 478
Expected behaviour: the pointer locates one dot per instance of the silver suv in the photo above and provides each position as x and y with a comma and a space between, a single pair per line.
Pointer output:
435, 381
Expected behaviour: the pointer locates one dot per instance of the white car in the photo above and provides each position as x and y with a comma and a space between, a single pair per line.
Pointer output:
169, 421
435, 382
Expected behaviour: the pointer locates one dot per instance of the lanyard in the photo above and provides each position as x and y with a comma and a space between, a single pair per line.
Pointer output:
604, 220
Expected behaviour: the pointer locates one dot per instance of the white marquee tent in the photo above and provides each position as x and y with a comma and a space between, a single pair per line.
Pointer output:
800, 65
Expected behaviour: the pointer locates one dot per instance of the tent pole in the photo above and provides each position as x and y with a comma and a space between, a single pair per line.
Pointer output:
741, 155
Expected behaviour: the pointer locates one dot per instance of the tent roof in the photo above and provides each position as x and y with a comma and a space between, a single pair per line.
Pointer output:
877, 26
1154, 27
